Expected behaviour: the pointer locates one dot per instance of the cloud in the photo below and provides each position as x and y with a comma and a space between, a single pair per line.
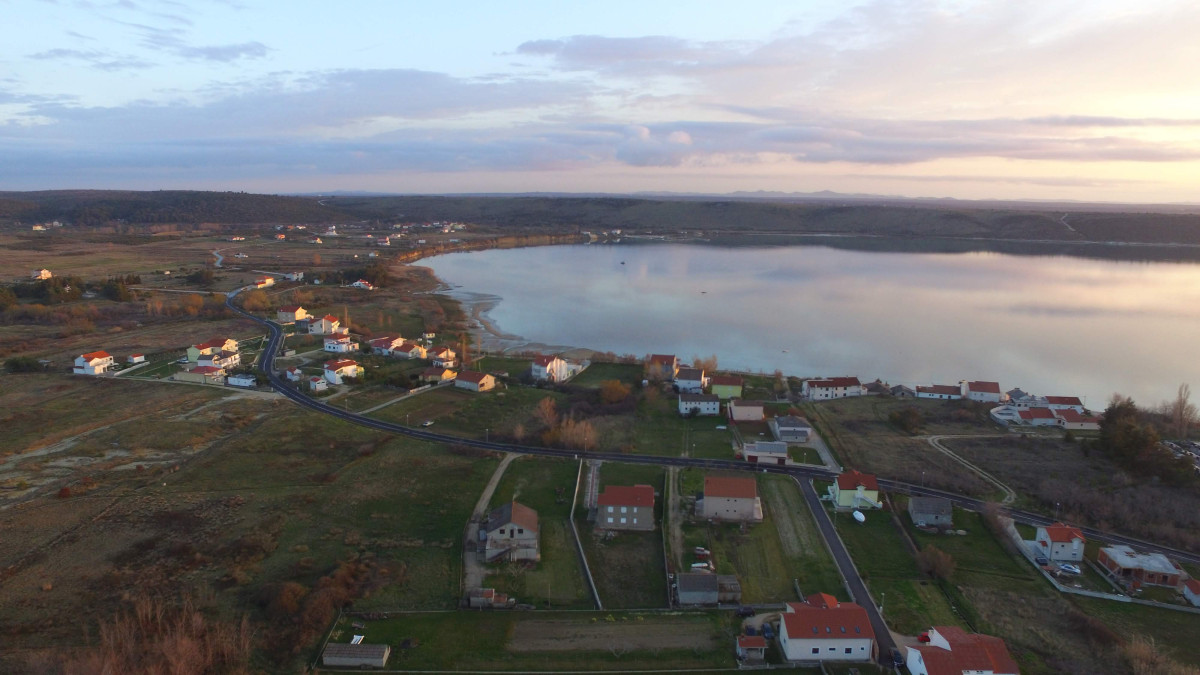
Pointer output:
95, 58
174, 41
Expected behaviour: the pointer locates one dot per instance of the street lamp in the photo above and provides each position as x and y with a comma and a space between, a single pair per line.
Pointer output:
486, 435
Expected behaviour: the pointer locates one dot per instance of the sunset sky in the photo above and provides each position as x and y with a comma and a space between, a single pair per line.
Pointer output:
1091, 101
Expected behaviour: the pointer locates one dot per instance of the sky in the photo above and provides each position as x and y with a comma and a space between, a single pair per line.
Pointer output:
1015, 99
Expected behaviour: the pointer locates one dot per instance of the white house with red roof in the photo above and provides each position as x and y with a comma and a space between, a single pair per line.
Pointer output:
135, 358
409, 349
1191, 591
823, 629
855, 490
705, 405
661, 367
93, 363
363, 284
730, 498
548, 369
1060, 543
325, 325
1069, 418
338, 370
953, 651
943, 392
213, 346
474, 381
625, 507
834, 387
317, 383
751, 648
443, 356
294, 374
222, 359
690, 380
1065, 403
340, 343
263, 282
1038, 417
512, 534
290, 314
386, 344
984, 392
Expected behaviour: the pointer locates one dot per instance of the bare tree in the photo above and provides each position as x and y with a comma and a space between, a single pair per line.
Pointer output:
1183, 411
547, 412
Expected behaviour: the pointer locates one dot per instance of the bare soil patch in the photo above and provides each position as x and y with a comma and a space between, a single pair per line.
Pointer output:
560, 636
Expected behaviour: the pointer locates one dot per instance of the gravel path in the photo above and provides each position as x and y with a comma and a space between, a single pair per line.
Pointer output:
474, 571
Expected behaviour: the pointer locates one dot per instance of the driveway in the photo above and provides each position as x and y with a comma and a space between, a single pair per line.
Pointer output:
474, 571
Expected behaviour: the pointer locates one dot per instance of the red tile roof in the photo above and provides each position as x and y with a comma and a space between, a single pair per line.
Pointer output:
384, 340
752, 642
662, 359
837, 621
1036, 414
851, 479
625, 495
408, 346
331, 318
1192, 585
1064, 400
544, 361
339, 364
940, 389
1074, 416
984, 387
207, 370
737, 488
1060, 533
822, 600
968, 652
834, 383
212, 344
438, 351
725, 381
472, 376
91, 356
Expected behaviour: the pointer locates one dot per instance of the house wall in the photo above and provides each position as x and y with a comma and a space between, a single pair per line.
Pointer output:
827, 649
1191, 597
200, 378
706, 407
697, 597
625, 518
827, 393
517, 542
1059, 551
930, 519
742, 413
846, 498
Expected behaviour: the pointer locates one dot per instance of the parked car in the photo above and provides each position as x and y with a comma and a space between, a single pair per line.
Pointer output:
768, 632
1041, 560
1070, 569
427, 423
923, 637
897, 658
745, 610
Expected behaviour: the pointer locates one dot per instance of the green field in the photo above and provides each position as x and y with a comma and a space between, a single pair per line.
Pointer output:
493, 414
629, 373
660, 430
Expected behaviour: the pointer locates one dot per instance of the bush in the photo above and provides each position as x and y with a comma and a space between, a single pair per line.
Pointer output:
23, 364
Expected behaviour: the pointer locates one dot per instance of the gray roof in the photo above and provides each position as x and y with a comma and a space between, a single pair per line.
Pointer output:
1126, 557
934, 506
690, 582
792, 422
699, 398
689, 374
362, 650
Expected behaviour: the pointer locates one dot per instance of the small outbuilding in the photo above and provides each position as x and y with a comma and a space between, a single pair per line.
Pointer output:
360, 655
931, 511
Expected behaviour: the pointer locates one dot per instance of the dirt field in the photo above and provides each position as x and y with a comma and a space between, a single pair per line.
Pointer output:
559, 636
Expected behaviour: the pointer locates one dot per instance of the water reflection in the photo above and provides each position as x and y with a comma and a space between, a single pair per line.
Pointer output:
1051, 325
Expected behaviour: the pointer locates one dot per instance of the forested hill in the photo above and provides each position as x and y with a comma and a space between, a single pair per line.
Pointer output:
532, 214
91, 208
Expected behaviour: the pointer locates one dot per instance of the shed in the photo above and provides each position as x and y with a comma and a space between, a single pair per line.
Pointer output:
930, 511
356, 656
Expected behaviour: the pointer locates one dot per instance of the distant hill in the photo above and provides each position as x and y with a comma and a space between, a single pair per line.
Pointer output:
89, 208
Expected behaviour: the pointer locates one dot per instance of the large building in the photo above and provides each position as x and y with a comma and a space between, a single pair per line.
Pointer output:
824, 629
727, 498
624, 507
1140, 569
93, 363
834, 387
953, 651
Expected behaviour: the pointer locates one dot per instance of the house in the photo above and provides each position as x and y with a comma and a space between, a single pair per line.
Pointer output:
201, 375
953, 651
1038, 417
294, 276
280, 237
1064, 403
435, 374
834, 387
237, 238
624, 507
222, 359
428, 336
317, 384
340, 343
790, 429
690, 380
699, 404
901, 391
549, 369
293, 374
823, 629
488, 598
766, 452
855, 490
263, 282
135, 358
409, 349
1069, 418
290, 314
315, 240
945, 392
93, 363
512, 534
743, 411
701, 588
213, 346
1140, 569
876, 388
725, 386
984, 392
752, 648
241, 380
475, 381
41, 275
338, 370
361, 655
728, 498
324, 326
1060, 543
661, 367
363, 284
931, 511
386, 344
1191, 592
443, 356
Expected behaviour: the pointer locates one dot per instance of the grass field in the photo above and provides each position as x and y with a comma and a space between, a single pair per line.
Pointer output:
629, 373
660, 430
552, 641
547, 486
501, 364
459, 412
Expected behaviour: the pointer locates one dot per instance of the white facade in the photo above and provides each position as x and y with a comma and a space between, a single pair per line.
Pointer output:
551, 368
832, 388
1060, 543
340, 344
744, 411
95, 363
707, 404
943, 392
325, 325
337, 371
240, 380
984, 392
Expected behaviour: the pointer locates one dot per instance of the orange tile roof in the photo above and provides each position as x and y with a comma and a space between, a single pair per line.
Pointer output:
968, 652
207, 370
837, 621
1060, 533
626, 495
984, 387
851, 479
544, 361
91, 356
752, 642
339, 364
1036, 414
725, 381
1064, 400
737, 488
947, 389
472, 376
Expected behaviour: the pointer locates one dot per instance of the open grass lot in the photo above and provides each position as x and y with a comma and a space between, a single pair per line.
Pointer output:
628, 567
806, 559
660, 430
859, 433
547, 486
552, 641
466, 413
629, 373
502, 364
1175, 632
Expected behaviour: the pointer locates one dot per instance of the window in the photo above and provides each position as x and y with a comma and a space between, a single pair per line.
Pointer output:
622, 521
520, 531
816, 650
848, 650
502, 530
610, 519
635, 521
624, 509
610, 509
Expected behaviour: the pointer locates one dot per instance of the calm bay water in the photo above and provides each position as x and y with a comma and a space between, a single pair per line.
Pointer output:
1050, 325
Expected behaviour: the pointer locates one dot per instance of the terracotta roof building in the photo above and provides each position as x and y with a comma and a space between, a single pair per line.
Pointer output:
953, 651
